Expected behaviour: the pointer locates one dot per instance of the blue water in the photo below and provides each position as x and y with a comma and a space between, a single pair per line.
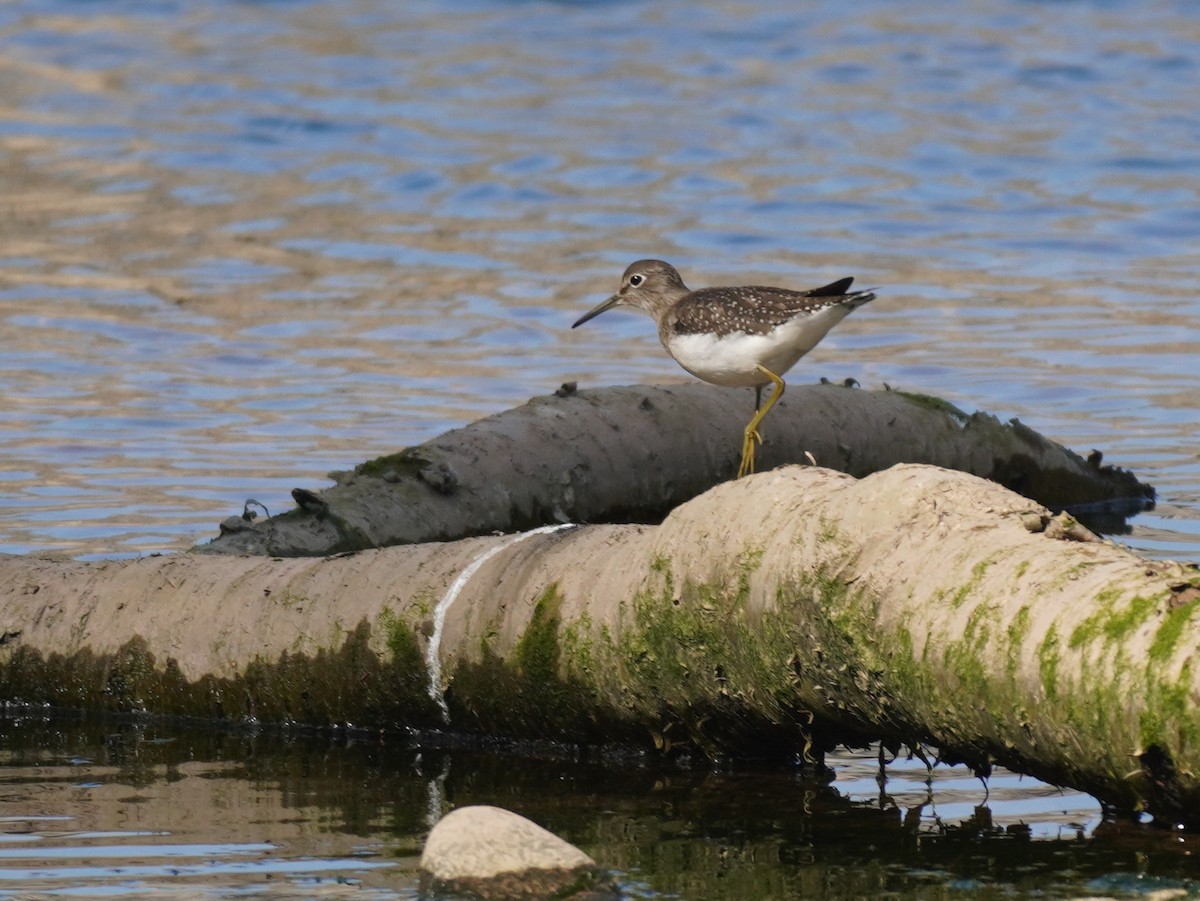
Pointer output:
250, 243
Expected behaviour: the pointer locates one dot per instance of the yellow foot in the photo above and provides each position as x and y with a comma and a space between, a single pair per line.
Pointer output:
749, 445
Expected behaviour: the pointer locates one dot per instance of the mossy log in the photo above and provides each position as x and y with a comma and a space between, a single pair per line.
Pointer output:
633, 454
782, 613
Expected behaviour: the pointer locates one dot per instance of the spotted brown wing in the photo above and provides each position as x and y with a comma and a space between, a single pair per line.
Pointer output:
753, 309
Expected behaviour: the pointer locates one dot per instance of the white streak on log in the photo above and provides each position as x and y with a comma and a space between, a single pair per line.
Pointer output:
433, 661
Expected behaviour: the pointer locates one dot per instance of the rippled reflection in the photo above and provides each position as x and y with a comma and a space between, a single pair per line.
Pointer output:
246, 244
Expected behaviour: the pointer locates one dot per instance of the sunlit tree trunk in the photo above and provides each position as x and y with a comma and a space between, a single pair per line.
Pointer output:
779, 613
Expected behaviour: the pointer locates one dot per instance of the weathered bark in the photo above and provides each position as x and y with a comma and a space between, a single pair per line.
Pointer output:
633, 454
786, 611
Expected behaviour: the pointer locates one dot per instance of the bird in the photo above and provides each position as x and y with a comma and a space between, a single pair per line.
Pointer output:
744, 336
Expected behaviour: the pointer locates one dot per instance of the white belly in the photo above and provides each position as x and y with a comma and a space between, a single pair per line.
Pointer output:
732, 360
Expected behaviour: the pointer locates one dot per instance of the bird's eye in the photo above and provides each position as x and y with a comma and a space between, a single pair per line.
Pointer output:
636, 280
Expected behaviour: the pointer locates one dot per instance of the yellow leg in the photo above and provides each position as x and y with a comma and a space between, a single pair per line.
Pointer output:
752, 437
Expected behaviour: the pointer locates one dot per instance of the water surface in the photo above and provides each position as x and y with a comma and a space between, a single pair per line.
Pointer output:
107, 809
249, 243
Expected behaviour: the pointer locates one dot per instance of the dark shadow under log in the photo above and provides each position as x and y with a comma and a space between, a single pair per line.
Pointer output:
632, 454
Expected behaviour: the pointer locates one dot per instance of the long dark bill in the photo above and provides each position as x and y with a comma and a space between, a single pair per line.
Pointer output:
597, 310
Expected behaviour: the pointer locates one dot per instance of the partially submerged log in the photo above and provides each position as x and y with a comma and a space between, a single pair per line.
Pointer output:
785, 612
633, 454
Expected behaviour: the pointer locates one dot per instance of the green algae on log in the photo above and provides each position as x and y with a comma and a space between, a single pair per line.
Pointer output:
632, 454
781, 613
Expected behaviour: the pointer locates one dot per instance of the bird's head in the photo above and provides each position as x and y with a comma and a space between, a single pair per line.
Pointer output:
647, 285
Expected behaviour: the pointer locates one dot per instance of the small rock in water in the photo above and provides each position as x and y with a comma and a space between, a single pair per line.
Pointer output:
498, 855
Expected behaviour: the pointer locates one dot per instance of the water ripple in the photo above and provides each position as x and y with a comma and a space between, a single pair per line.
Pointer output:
250, 243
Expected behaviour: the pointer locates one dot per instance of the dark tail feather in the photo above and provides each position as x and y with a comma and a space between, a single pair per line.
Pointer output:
833, 289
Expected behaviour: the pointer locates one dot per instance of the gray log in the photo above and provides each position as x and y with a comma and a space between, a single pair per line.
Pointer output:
632, 454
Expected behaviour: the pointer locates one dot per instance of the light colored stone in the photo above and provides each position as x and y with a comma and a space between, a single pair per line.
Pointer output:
499, 854
484, 841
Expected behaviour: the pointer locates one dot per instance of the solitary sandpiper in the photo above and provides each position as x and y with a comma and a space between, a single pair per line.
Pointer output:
737, 337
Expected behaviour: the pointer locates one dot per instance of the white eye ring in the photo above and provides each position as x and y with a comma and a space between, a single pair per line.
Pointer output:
636, 280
